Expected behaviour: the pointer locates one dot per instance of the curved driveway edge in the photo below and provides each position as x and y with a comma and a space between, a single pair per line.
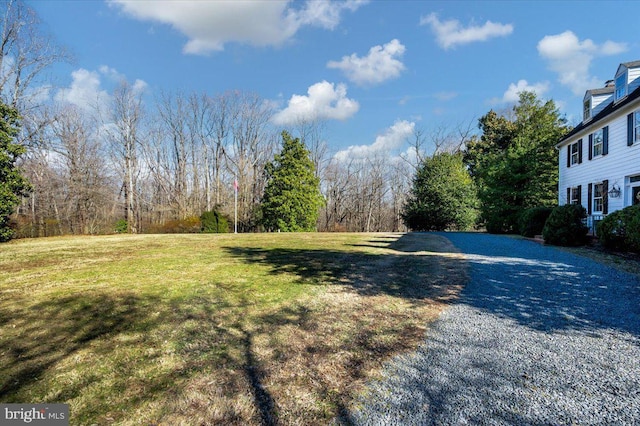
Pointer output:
538, 336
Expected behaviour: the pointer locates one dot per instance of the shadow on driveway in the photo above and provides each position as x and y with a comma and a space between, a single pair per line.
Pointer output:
545, 288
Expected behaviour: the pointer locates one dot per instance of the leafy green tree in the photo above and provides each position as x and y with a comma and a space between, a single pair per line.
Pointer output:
12, 184
292, 197
514, 162
443, 195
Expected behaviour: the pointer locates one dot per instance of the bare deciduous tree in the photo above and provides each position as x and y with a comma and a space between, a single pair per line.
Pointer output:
122, 130
25, 52
85, 184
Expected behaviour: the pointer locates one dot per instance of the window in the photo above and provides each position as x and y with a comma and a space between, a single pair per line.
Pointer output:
598, 197
575, 195
621, 86
586, 113
597, 143
574, 153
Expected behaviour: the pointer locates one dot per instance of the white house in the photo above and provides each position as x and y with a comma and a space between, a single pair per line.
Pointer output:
600, 159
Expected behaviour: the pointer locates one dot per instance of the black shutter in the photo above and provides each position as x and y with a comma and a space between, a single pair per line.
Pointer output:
569, 155
605, 140
579, 194
590, 146
630, 129
605, 196
580, 151
568, 196
589, 197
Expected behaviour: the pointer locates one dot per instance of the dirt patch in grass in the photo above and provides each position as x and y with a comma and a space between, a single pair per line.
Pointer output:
263, 329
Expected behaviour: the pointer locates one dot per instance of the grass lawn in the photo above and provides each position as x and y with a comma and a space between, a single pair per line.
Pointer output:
206, 329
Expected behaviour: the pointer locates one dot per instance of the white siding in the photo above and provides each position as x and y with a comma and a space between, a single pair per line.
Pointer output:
621, 162
599, 102
633, 79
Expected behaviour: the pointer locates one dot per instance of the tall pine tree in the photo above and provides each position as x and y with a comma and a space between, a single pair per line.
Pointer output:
292, 197
12, 184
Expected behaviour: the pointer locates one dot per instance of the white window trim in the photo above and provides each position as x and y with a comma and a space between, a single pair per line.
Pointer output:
575, 156
586, 110
600, 143
595, 198
636, 127
574, 195
629, 188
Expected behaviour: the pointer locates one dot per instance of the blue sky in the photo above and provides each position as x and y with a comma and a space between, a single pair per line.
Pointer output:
373, 71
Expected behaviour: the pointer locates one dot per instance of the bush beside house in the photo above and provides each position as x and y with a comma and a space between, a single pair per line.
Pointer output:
565, 226
620, 230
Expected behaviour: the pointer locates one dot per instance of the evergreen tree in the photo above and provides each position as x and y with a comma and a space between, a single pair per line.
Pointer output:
12, 184
443, 195
515, 163
292, 197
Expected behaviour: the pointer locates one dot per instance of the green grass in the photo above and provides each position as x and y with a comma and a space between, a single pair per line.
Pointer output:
202, 329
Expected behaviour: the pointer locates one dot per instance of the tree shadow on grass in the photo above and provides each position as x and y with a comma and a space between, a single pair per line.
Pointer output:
47, 350
335, 347
113, 355
412, 269
51, 331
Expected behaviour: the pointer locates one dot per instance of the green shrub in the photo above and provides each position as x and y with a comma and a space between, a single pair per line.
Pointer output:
531, 222
495, 226
214, 222
121, 227
621, 230
564, 227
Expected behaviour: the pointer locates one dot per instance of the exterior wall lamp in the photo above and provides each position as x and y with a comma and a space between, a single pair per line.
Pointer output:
615, 192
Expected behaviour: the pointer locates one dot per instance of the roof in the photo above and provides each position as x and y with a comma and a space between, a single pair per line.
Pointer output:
607, 111
602, 91
632, 64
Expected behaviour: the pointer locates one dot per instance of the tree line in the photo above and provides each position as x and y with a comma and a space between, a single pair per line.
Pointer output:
129, 164
159, 167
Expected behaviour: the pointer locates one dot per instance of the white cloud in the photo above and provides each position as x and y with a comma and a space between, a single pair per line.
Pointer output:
210, 24
139, 86
324, 100
391, 139
571, 58
512, 94
451, 33
111, 73
87, 92
445, 96
381, 64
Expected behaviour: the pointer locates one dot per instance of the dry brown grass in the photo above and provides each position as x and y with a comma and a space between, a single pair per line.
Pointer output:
189, 330
627, 262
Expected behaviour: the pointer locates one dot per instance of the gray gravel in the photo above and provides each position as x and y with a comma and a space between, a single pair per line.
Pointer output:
539, 337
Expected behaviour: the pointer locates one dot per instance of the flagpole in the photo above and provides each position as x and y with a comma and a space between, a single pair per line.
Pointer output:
235, 214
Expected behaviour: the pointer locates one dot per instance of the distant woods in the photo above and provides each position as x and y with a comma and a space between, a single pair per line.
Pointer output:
132, 162
158, 166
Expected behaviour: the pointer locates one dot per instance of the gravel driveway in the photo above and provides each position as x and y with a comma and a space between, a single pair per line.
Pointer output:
539, 337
